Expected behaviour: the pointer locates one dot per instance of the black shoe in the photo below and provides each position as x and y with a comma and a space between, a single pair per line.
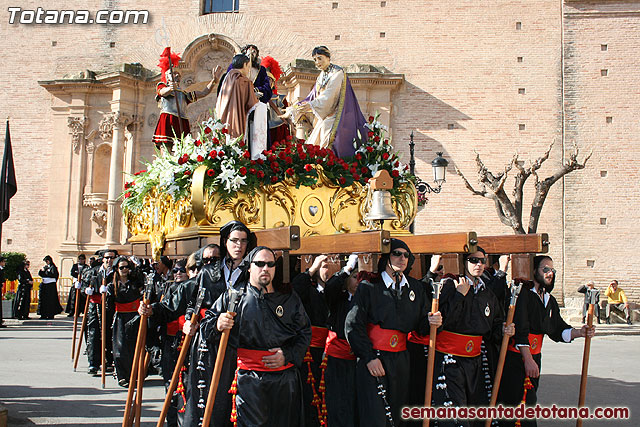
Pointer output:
92, 370
123, 383
109, 369
629, 322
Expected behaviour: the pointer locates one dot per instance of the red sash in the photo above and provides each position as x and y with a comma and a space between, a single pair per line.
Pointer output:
96, 299
176, 326
458, 344
318, 337
535, 344
418, 339
251, 360
127, 307
338, 348
387, 339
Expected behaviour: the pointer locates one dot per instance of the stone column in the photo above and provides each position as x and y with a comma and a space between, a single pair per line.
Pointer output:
117, 121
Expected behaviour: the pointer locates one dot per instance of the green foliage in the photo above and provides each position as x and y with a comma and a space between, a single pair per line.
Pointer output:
14, 259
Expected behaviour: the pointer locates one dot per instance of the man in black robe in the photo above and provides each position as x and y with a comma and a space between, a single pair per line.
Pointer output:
93, 287
310, 286
472, 315
386, 308
537, 314
76, 274
271, 333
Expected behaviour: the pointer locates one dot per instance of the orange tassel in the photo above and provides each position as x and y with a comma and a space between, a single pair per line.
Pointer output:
528, 385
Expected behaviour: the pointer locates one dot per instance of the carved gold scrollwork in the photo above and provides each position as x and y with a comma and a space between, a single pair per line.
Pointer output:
247, 210
214, 206
281, 194
405, 206
341, 199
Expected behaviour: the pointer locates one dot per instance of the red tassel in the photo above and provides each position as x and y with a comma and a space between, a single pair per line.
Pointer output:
528, 385
234, 391
180, 390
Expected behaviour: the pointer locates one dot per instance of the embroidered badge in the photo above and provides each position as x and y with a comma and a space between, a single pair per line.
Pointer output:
469, 347
534, 344
412, 295
393, 342
279, 311
487, 310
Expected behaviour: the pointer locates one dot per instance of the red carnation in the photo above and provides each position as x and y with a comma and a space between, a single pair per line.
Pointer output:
215, 140
330, 162
359, 156
376, 138
302, 156
385, 156
207, 130
356, 177
345, 166
308, 167
272, 158
288, 160
342, 180
364, 169
252, 162
181, 160
220, 153
301, 141
289, 137
198, 143
395, 173
274, 165
287, 150
386, 141
289, 171
319, 160
352, 169
246, 155
213, 154
224, 130
396, 164
370, 119
187, 172
252, 171
274, 179
200, 158
260, 174
370, 134
370, 149
260, 161
127, 194
282, 155
241, 144
243, 171
211, 172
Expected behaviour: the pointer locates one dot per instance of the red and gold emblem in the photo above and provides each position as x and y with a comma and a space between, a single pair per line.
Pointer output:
393, 342
534, 343
469, 347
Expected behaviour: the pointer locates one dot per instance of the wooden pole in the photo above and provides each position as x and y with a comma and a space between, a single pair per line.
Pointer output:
82, 328
587, 350
217, 370
142, 374
515, 290
127, 419
184, 351
432, 351
75, 322
104, 335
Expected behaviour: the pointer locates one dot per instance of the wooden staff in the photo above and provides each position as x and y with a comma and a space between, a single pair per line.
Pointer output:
104, 332
180, 363
127, 419
82, 328
142, 374
234, 296
515, 291
437, 287
75, 322
592, 295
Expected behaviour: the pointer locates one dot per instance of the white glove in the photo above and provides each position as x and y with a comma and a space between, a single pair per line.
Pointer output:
103, 289
352, 263
88, 291
77, 285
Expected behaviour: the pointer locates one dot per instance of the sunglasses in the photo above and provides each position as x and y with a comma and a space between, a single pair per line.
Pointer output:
548, 269
179, 270
475, 260
261, 264
240, 242
123, 267
397, 253
108, 257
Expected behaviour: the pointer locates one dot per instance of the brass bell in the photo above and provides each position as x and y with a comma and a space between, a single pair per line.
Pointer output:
381, 207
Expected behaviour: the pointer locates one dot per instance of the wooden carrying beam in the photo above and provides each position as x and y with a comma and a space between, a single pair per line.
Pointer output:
442, 243
365, 242
515, 244
283, 238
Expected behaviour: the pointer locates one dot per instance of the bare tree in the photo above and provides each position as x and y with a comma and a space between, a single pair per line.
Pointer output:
510, 211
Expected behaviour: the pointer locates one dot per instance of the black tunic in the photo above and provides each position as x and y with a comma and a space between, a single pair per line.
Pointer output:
48, 301
125, 325
315, 305
76, 273
22, 303
95, 278
467, 379
266, 398
376, 304
530, 317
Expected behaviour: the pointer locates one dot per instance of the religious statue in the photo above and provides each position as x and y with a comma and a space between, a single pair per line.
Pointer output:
173, 121
339, 122
279, 128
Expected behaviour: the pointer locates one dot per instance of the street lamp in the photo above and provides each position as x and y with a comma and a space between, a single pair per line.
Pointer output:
439, 165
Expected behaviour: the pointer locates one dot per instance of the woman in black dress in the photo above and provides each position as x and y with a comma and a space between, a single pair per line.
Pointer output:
48, 302
22, 302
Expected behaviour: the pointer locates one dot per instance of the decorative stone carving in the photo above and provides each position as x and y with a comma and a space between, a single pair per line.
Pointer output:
113, 119
77, 126
100, 218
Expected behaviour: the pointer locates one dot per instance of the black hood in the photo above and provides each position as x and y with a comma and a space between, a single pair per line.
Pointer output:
226, 230
384, 259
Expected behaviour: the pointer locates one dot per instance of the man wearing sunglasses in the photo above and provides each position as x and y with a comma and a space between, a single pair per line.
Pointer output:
537, 314
473, 320
386, 308
271, 333
93, 288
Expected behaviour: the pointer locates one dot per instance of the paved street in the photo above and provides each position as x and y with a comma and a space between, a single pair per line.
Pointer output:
39, 387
